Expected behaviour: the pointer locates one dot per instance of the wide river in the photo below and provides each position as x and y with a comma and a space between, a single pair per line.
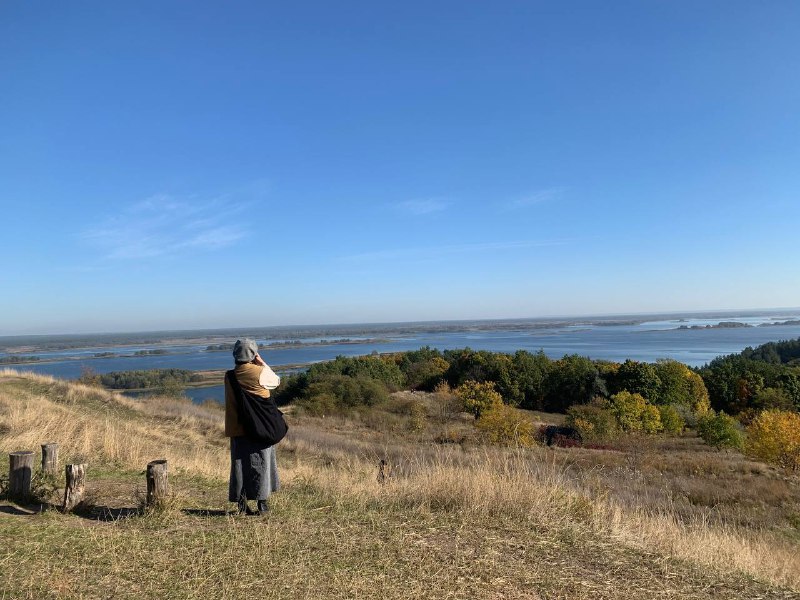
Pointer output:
646, 341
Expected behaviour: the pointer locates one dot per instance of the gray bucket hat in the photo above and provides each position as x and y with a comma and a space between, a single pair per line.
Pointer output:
244, 350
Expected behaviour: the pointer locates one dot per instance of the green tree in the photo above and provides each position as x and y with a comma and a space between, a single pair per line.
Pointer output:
572, 380
680, 386
748, 386
426, 374
771, 397
789, 382
483, 366
637, 378
530, 372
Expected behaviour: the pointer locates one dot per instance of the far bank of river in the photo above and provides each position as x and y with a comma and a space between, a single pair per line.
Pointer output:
646, 341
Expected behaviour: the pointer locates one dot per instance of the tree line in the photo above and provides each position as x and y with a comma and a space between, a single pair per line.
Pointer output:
523, 379
142, 379
758, 378
755, 379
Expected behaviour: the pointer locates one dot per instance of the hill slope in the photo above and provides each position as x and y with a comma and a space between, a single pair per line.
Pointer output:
449, 523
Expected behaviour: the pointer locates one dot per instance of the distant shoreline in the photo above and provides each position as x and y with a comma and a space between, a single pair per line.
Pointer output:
22, 359
23, 355
66, 341
208, 378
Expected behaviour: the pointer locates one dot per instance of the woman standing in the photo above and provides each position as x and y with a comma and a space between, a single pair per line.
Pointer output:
254, 470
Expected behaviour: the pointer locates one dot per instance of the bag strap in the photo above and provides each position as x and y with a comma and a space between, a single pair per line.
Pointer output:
237, 392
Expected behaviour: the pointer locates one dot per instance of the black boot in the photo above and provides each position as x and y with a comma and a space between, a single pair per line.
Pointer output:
263, 508
244, 509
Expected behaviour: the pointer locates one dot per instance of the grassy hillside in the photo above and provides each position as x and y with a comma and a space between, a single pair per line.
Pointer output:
652, 518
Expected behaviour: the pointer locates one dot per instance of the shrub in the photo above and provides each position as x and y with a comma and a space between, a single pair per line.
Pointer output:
320, 404
671, 419
412, 408
381, 420
89, 377
635, 414
292, 388
446, 405
700, 403
688, 416
771, 397
506, 426
450, 435
651, 419
774, 437
478, 397
359, 367
340, 392
628, 408
594, 420
720, 430
426, 374
418, 417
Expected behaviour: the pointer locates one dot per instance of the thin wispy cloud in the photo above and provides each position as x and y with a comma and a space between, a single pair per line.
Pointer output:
536, 197
163, 225
425, 252
423, 207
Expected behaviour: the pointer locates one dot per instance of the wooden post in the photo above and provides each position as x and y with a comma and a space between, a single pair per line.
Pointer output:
20, 472
76, 483
156, 481
50, 458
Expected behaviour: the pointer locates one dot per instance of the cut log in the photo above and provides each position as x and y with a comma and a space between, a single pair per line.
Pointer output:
157, 481
76, 483
50, 458
20, 473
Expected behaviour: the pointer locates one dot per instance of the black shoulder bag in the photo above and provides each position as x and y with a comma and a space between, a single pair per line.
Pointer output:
260, 417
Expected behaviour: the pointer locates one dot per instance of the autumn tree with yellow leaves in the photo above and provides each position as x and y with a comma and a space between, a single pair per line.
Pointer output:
774, 437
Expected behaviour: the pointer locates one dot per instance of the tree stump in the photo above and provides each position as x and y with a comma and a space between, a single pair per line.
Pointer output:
20, 473
76, 483
50, 458
156, 481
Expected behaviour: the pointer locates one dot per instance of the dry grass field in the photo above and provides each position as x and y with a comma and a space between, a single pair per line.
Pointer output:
652, 518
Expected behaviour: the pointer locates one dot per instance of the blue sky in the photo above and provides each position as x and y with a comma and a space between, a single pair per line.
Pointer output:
213, 164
